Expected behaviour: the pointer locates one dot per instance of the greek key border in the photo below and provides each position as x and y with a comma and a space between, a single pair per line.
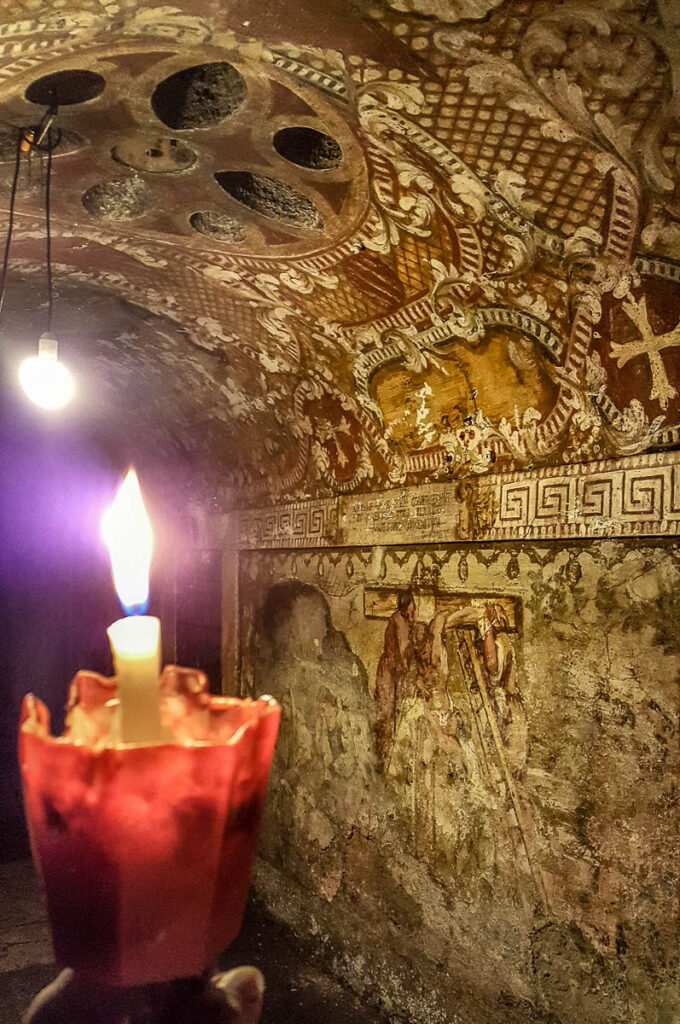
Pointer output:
303, 524
638, 496
635, 496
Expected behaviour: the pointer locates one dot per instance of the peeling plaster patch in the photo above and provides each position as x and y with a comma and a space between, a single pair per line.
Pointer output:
154, 155
321, 829
424, 426
330, 883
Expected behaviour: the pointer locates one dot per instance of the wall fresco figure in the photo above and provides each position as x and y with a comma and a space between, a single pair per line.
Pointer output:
414, 663
484, 648
418, 711
479, 636
395, 679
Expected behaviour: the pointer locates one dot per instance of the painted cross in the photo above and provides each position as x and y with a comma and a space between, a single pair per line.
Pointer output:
651, 345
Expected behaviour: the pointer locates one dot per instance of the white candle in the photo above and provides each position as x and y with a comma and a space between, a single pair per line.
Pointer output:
136, 649
135, 640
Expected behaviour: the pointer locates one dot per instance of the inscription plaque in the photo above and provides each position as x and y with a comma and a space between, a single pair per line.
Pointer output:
425, 514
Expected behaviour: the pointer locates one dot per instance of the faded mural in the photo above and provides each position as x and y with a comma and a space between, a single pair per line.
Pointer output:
477, 773
416, 708
428, 244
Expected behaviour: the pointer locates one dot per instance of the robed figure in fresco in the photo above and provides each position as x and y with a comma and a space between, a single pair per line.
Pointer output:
395, 680
433, 727
414, 663
491, 668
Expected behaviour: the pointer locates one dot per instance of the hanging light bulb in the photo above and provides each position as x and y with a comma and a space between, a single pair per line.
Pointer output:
46, 381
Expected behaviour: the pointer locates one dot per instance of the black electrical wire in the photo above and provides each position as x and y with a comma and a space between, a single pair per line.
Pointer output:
48, 233
10, 224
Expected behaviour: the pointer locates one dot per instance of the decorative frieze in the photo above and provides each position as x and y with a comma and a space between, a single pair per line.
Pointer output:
304, 524
635, 496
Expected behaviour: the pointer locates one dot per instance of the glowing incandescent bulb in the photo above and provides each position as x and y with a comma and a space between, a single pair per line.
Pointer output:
46, 381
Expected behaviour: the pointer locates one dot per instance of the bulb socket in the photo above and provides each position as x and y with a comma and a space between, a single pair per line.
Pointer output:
47, 346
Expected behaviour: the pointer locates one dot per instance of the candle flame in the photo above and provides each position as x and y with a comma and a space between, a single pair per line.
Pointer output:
126, 529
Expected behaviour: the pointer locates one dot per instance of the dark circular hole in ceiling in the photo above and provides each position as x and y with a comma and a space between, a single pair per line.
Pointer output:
64, 88
270, 197
217, 225
307, 147
117, 200
199, 96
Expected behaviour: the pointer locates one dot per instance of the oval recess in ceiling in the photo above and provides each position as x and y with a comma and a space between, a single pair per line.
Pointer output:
154, 154
218, 226
64, 88
122, 199
199, 96
308, 147
271, 197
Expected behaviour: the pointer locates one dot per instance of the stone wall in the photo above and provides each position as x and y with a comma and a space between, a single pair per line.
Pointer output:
473, 805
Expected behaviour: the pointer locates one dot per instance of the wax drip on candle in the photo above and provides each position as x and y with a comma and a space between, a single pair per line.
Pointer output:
135, 640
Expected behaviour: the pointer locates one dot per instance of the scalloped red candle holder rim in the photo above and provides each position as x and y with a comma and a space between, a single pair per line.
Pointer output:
145, 849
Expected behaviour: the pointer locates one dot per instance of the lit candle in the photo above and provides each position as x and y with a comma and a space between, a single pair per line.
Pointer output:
135, 640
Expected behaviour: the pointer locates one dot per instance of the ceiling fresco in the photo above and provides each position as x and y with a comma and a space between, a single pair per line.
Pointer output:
381, 243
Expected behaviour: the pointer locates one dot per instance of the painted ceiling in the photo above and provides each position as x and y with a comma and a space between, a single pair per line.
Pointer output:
341, 246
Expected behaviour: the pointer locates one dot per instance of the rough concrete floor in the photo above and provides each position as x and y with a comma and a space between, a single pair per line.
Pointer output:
298, 992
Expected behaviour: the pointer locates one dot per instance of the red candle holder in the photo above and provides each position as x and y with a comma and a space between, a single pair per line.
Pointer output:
145, 850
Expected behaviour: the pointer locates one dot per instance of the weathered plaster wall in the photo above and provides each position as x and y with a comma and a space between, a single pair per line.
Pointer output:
505, 847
